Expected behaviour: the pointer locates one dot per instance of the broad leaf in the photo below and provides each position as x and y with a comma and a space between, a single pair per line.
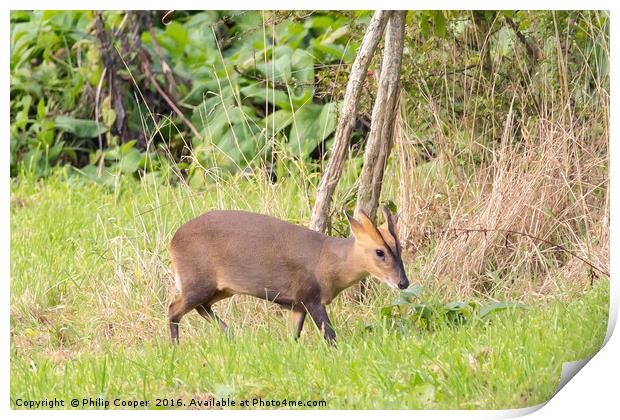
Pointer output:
81, 128
312, 123
412, 291
130, 162
277, 121
421, 310
104, 177
439, 22
278, 69
488, 310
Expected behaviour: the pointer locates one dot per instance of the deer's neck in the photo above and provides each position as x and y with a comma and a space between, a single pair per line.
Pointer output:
341, 265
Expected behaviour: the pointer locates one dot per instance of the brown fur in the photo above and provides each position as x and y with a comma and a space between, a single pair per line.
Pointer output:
223, 253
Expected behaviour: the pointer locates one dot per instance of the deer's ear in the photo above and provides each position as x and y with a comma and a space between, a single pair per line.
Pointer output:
369, 228
365, 221
389, 230
391, 220
356, 227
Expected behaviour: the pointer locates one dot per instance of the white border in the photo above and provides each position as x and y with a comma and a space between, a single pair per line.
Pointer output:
592, 393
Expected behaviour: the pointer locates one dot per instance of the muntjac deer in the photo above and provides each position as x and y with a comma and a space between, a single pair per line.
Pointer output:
224, 253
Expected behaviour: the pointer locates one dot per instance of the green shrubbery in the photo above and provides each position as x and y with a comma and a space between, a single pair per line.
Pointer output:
245, 80
259, 85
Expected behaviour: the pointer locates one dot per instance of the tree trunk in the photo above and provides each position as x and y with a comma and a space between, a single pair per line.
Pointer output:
346, 121
384, 113
111, 63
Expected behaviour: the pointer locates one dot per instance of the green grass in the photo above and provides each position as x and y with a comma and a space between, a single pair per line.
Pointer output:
90, 284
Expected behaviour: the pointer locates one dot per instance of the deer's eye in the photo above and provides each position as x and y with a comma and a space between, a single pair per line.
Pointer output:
380, 253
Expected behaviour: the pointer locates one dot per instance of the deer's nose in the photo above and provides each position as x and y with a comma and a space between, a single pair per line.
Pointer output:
403, 283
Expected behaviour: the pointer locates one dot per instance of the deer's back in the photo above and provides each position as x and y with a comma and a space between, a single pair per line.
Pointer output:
247, 252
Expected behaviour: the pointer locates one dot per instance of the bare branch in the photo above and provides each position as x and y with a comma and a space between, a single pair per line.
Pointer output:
346, 120
383, 117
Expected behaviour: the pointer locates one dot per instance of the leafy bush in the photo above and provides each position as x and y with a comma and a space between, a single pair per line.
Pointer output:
246, 80
408, 310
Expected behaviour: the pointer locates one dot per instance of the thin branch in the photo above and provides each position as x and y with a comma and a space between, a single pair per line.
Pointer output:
172, 105
144, 61
97, 112
532, 48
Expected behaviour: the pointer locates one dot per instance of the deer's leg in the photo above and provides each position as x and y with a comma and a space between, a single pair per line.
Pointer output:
298, 320
320, 318
176, 310
206, 312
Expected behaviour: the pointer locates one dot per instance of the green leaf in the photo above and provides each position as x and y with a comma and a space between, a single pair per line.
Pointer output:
41, 109
290, 33
177, 37
456, 306
127, 146
391, 206
104, 177
458, 312
504, 42
400, 300
302, 63
280, 68
130, 161
424, 26
412, 291
259, 96
312, 123
422, 310
386, 311
334, 51
277, 121
319, 22
493, 308
54, 151
80, 128
108, 114
439, 21
332, 37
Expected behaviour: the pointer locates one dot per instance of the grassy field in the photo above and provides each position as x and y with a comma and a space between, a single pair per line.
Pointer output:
90, 285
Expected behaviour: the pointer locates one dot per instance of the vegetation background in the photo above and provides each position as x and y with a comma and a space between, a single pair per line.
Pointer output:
124, 125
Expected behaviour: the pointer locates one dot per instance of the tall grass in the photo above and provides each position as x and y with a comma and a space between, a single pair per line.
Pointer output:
539, 166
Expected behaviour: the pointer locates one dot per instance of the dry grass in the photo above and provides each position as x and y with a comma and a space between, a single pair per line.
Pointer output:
538, 166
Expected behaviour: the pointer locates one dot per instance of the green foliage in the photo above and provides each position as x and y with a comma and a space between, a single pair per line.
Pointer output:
261, 86
78, 127
249, 89
512, 59
408, 311
255, 73
45, 83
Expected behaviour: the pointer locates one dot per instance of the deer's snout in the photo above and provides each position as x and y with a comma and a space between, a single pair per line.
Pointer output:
404, 282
